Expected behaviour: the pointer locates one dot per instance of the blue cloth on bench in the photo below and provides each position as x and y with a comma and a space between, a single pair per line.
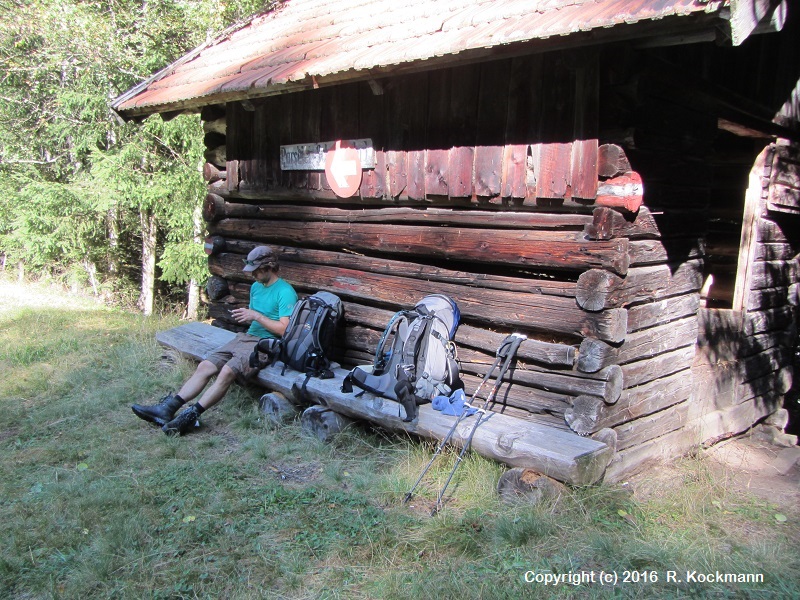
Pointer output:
452, 404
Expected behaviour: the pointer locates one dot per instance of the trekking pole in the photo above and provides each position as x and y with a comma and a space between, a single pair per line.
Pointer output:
461, 417
509, 346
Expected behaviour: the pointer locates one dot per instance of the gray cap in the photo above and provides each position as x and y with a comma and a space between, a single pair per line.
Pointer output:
260, 256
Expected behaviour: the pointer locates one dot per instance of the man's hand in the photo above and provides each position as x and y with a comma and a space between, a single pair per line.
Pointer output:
244, 315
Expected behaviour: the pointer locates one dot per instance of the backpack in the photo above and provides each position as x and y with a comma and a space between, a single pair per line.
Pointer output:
306, 345
415, 359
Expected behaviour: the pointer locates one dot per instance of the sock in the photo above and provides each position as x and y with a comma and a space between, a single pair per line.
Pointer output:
179, 399
200, 409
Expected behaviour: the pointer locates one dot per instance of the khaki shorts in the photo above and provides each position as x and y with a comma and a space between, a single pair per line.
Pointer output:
236, 354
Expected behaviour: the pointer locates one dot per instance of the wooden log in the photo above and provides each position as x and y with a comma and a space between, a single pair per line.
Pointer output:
212, 174
655, 367
598, 289
508, 309
216, 156
532, 350
646, 223
712, 426
277, 408
214, 244
217, 287
612, 161
217, 125
213, 205
651, 314
408, 215
527, 486
542, 249
323, 423
646, 399
651, 252
584, 414
607, 383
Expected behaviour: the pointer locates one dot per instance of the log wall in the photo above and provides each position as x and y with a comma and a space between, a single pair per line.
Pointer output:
499, 185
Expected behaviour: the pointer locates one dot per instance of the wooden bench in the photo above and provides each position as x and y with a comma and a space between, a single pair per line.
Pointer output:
556, 453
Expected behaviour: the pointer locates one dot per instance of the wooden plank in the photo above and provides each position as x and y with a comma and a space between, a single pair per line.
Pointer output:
397, 177
515, 172
553, 170
488, 170
436, 172
416, 175
750, 227
584, 174
651, 314
460, 172
556, 453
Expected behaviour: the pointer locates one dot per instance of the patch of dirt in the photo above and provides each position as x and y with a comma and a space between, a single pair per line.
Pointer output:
768, 471
748, 464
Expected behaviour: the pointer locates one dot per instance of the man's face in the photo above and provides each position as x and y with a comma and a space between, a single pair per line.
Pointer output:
263, 274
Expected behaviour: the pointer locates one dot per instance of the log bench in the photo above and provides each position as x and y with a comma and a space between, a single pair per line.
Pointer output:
557, 453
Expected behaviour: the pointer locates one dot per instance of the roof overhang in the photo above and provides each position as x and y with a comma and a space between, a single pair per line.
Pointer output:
307, 44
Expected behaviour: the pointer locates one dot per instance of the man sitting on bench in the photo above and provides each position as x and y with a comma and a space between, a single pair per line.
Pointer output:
271, 302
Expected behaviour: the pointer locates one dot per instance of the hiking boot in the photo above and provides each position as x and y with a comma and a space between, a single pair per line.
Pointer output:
184, 422
161, 413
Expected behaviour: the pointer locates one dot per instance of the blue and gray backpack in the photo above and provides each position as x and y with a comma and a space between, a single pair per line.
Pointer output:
415, 359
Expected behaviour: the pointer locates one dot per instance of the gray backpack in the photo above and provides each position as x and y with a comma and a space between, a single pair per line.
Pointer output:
415, 360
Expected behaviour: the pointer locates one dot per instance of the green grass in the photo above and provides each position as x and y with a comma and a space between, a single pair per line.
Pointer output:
96, 504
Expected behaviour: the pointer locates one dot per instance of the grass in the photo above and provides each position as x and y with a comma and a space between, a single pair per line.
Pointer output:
96, 504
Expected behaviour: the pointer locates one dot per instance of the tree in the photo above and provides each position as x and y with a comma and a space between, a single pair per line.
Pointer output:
84, 194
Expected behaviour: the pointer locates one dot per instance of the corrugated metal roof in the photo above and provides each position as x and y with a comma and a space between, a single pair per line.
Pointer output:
306, 43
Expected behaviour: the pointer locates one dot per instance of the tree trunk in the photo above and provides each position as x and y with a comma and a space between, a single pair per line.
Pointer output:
149, 228
193, 296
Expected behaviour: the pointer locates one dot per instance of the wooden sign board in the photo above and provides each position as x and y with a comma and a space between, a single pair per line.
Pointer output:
311, 157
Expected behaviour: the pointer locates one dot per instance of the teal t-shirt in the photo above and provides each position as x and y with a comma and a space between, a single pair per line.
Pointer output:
273, 301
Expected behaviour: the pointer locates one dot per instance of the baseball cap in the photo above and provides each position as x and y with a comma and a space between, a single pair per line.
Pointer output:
260, 256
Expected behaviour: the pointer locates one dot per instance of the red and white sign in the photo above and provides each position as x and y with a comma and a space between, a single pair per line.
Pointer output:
343, 169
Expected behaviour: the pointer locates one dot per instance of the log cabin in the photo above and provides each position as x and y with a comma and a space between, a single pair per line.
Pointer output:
619, 181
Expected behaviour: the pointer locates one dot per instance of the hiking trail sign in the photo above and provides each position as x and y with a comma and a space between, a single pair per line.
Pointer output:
343, 170
342, 161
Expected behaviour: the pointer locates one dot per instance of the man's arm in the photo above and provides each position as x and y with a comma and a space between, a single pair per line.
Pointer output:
248, 315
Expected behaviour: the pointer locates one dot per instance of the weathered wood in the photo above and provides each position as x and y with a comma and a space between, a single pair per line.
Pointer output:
408, 215
651, 314
532, 350
584, 169
661, 365
528, 486
648, 398
651, 252
213, 207
606, 384
216, 156
323, 423
509, 309
517, 443
212, 173
612, 161
598, 289
217, 125
217, 287
278, 408
493, 246
712, 426
584, 414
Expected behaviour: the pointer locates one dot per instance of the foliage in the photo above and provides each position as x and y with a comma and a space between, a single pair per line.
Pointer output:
97, 504
76, 180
